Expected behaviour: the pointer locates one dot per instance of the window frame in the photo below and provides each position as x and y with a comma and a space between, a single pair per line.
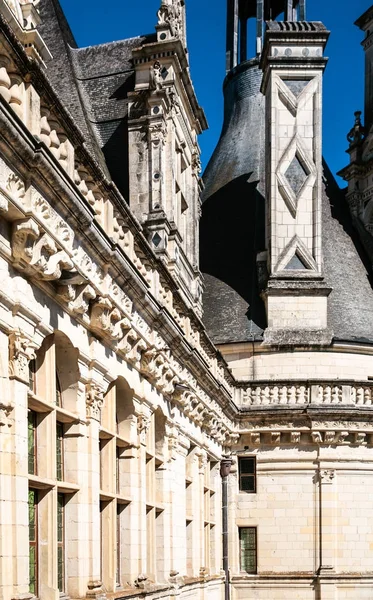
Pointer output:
247, 475
32, 427
61, 546
60, 476
243, 568
35, 542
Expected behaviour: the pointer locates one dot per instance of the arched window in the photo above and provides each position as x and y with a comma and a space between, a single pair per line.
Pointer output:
117, 434
52, 403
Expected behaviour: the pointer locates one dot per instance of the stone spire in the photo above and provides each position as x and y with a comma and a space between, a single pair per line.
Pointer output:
171, 21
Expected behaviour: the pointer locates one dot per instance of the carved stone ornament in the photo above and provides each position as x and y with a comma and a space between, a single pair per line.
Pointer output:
21, 351
156, 79
108, 321
143, 424
36, 252
94, 401
5, 410
171, 14
15, 187
327, 476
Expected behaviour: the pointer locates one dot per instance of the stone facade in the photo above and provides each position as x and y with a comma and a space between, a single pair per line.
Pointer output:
116, 407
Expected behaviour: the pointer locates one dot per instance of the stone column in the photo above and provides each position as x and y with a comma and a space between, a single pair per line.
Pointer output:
130, 467
296, 295
14, 490
178, 453
328, 532
90, 493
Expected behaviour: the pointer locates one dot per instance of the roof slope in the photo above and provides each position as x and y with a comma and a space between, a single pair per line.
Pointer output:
93, 84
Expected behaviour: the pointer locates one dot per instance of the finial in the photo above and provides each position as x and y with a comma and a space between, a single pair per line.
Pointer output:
356, 135
171, 20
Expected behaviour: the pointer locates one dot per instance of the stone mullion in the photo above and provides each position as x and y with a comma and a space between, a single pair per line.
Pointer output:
76, 528
91, 496
178, 508
131, 521
202, 466
195, 507
143, 425
163, 482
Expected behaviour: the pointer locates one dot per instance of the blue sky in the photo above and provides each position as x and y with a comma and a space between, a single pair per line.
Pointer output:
94, 22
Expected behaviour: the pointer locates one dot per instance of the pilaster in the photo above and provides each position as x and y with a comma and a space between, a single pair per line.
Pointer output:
21, 351
296, 294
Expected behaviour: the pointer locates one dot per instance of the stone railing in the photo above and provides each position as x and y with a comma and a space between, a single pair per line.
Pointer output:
298, 393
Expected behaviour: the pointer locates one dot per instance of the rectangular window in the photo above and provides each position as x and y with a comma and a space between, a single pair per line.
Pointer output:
247, 474
33, 541
61, 541
119, 554
248, 549
59, 452
58, 391
117, 470
32, 379
32, 442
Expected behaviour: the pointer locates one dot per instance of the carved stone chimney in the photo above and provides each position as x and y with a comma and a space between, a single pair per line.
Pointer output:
296, 295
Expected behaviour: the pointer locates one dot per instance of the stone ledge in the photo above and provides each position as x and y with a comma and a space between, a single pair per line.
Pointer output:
298, 337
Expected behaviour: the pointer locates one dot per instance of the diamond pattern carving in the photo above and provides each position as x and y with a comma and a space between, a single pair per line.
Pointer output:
295, 171
296, 175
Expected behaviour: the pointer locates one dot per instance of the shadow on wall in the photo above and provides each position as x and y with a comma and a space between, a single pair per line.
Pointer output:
116, 148
232, 232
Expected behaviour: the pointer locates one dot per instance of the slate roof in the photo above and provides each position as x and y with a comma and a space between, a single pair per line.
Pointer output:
93, 84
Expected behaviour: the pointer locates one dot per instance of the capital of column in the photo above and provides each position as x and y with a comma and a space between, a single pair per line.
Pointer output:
21, 352
94, 401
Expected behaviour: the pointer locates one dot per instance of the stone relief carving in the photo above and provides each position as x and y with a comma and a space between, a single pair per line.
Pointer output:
34, 250
21, 351
52, 219
170, 14
143, 424
94, 401
15, 187
156, 79
88, 267
327, 476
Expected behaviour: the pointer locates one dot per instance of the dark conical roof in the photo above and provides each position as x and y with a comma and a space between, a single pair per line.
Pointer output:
233, 229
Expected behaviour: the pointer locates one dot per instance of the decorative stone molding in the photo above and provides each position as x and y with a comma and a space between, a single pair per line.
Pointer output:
326, 476
143, 424
94, 401
5, 410
36, 252
15, 187
309, 433
21, 351
107, 320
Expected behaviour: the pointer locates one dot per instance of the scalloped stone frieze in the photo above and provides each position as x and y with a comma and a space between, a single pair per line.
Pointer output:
89, 267
52, 220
